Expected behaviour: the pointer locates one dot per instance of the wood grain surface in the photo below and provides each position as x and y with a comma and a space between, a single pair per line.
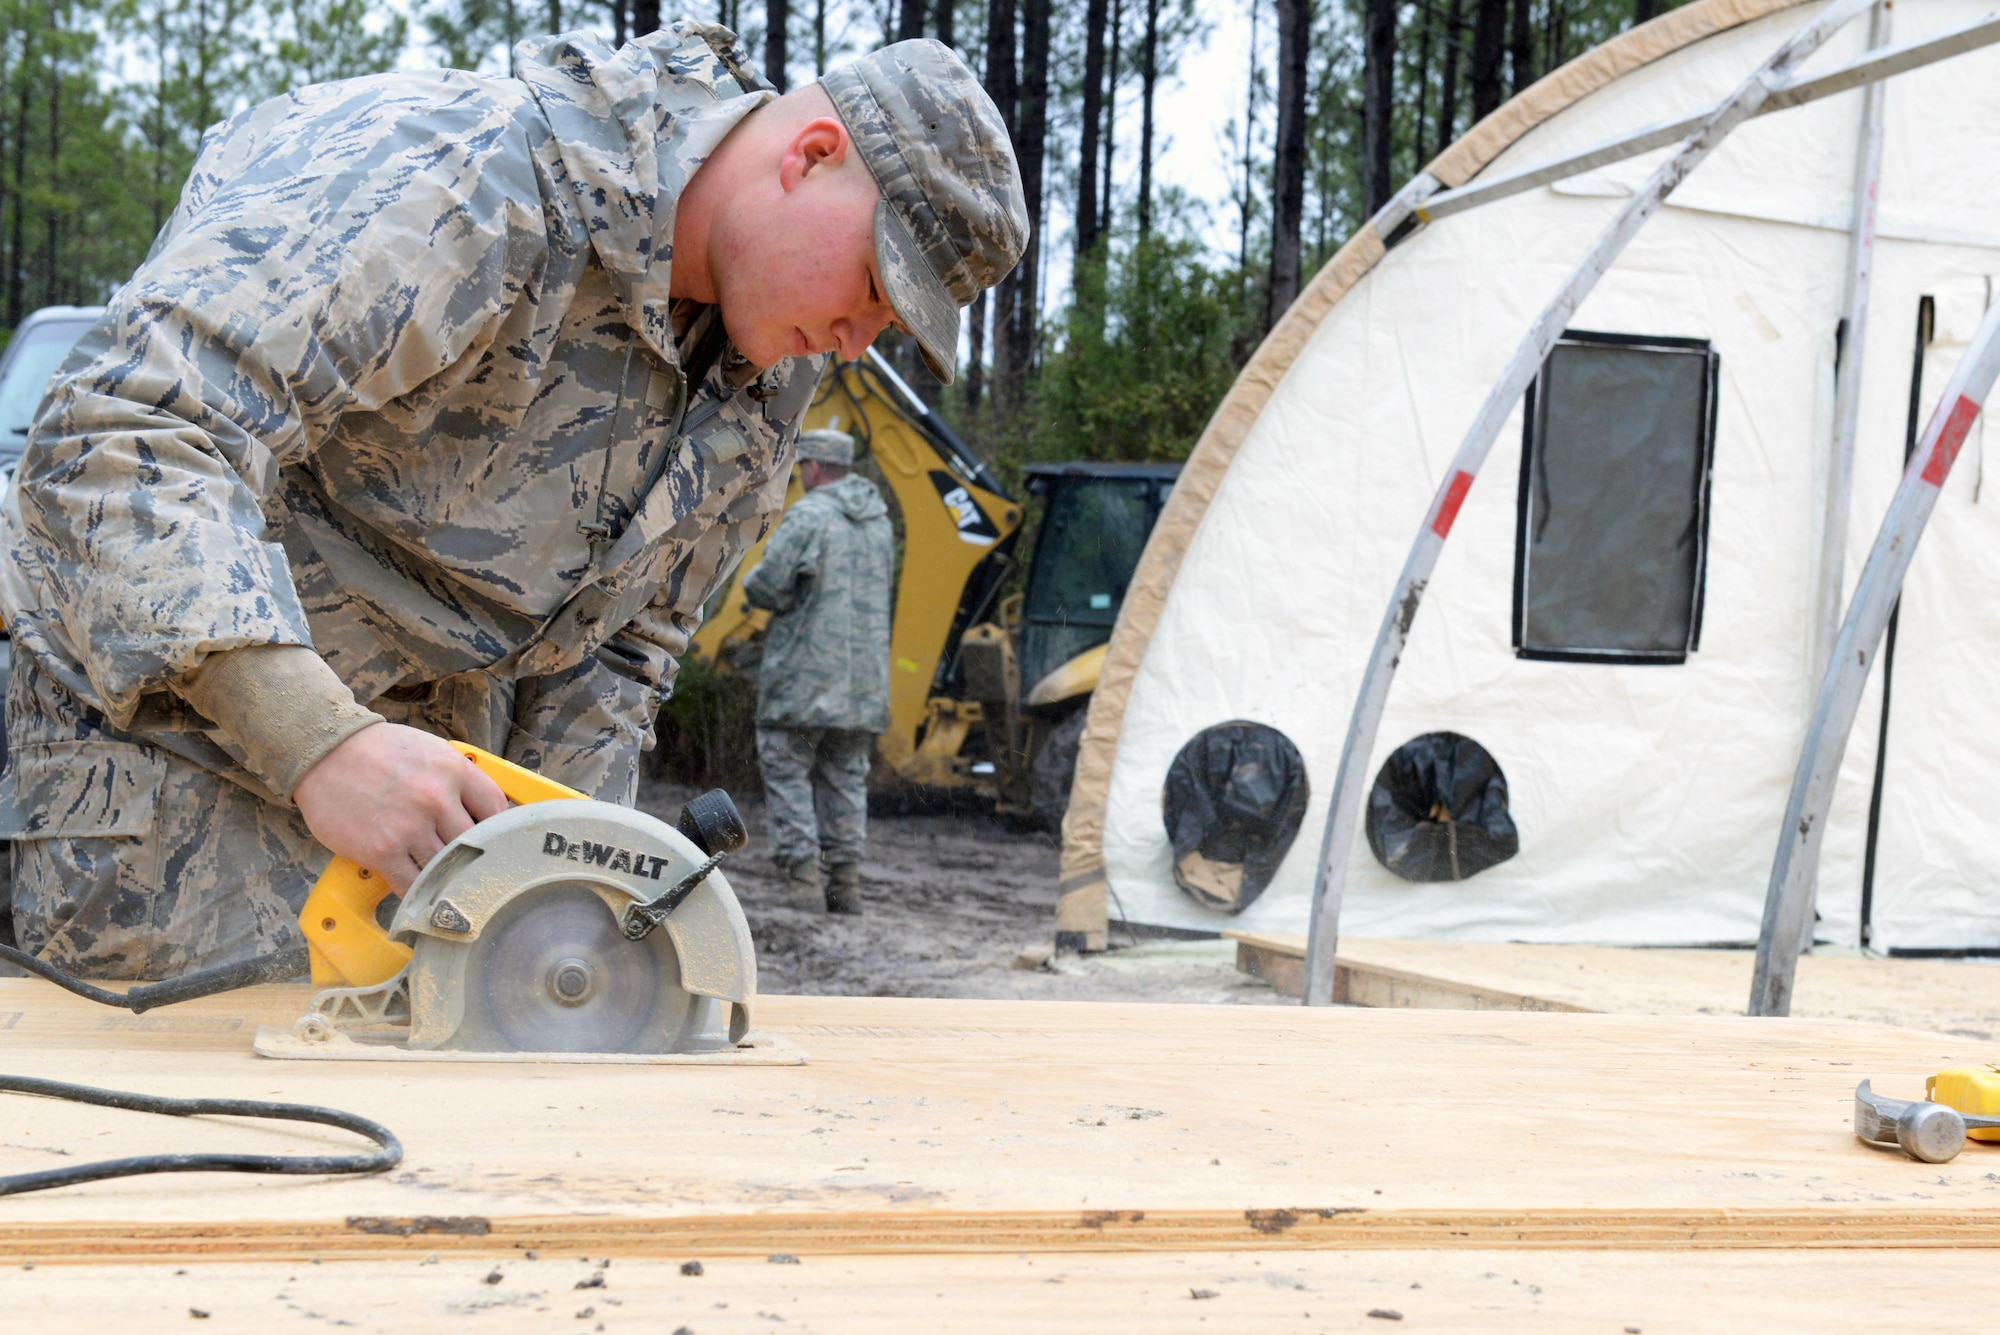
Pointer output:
1531, 1292
964, 1126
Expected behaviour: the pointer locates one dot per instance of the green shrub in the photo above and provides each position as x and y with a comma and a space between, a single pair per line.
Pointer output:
707, 733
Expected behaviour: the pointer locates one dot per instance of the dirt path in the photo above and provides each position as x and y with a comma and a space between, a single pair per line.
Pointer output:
951, 901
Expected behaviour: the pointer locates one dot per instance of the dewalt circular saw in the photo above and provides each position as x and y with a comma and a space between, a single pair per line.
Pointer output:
561, 929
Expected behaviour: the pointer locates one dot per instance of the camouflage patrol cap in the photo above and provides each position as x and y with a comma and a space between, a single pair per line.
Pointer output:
952, 221
827, 447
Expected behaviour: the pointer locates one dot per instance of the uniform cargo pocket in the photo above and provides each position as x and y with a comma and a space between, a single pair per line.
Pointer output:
80, 790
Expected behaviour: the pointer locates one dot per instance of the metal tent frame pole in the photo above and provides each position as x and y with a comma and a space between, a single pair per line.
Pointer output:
1853, 352
1853, 356
1350, 783
1787, 902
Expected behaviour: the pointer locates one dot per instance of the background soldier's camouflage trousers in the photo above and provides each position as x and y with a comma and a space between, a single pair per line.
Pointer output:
816, 791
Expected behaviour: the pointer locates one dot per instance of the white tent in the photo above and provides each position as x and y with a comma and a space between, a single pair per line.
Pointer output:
1647, 798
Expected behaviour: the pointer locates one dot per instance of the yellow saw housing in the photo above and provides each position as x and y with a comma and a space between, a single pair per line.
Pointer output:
348, 946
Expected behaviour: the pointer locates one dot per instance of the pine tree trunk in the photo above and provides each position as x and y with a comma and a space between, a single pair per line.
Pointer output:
910, 20
1378, 93
975, 354
1427, 20
16, 253
1454, 24
1288, 185
1642, 10
1003, 86
645, 17
916, 372
1111, 77
777, 17
819, 36
50, 221
1245, 194
1089, 128
5, 130
1021, 302
1522, 54
943, 19
1488, 46
204, 103
1148, 77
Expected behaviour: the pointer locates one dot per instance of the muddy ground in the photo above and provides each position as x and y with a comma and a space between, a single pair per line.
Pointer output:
952, 899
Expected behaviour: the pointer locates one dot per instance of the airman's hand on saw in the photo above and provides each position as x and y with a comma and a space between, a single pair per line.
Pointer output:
391, 797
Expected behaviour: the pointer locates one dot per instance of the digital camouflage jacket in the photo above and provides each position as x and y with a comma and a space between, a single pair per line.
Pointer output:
828, 572
400, 381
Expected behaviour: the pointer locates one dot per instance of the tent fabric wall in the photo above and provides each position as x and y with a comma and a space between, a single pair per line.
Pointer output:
1648, 798
1082, 910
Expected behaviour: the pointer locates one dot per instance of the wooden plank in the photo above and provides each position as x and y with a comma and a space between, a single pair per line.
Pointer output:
1284, 970
1279, 959
1960, 997
942, 1126
1516, 1291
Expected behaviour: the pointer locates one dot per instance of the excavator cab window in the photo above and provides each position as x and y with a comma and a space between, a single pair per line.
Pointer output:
1094, 527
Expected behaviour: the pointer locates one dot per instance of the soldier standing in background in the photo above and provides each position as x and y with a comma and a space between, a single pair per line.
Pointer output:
823, 683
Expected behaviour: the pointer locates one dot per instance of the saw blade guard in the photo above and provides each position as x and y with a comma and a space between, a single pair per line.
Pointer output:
521, 885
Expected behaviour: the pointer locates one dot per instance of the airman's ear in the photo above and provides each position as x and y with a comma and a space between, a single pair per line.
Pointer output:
820, 142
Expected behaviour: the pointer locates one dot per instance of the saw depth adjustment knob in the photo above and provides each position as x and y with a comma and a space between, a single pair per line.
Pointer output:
712, 823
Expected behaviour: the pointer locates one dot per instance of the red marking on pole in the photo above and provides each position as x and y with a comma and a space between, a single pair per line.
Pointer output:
1454, 496
1946, 450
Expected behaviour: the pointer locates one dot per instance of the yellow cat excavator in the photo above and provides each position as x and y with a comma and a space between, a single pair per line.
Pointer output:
985, 692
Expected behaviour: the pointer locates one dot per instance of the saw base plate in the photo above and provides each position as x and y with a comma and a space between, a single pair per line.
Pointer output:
757, 1049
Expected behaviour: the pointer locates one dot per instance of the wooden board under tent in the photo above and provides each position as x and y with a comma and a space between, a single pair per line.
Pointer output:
1949, 996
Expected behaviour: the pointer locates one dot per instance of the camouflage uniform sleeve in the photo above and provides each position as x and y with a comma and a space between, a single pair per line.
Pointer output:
322, 258
791, 562
587, 726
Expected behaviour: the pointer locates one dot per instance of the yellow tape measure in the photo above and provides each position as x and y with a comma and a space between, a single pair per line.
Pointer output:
1970, 1089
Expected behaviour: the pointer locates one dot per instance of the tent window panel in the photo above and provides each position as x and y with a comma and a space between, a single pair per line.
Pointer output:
1612, 527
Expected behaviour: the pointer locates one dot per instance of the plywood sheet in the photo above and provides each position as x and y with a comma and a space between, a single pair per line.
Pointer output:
1498, 1292
1959, 997
1018, 1126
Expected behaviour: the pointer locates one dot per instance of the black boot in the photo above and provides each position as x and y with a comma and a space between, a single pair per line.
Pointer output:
843, 888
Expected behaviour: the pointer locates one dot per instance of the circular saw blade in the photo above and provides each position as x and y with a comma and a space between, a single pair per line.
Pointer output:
552, 973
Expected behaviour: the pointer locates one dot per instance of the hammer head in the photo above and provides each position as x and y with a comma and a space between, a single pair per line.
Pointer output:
1927, 1132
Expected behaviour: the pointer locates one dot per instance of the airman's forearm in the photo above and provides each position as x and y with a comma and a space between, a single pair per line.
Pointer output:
281, 704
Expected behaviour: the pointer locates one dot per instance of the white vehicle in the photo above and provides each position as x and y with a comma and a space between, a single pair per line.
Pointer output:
36, 350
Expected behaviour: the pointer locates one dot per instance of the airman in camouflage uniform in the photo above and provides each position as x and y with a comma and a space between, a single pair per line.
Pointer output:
405, 418
823, 680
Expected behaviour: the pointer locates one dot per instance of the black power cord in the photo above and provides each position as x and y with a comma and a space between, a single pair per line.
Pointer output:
281, 966
386, 1157
278, 967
